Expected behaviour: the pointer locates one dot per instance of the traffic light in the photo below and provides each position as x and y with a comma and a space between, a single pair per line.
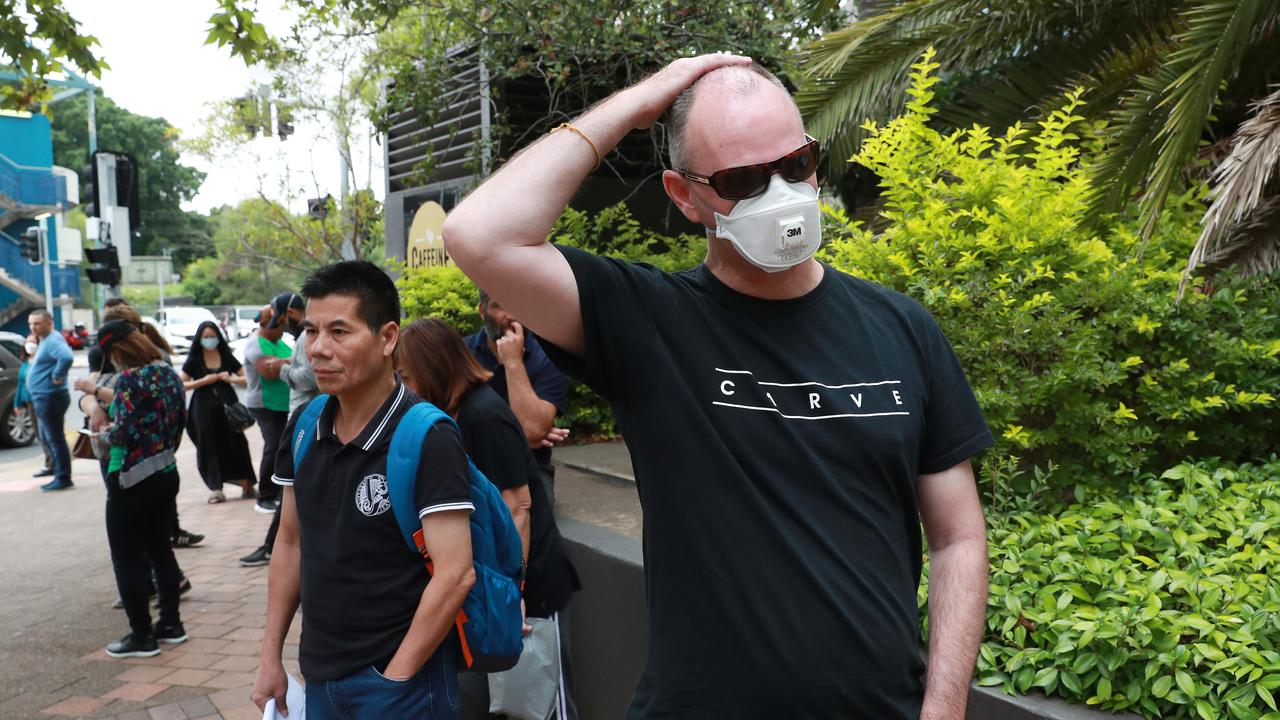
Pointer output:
109, 271
31, 244
284, 122
89, 188
318, 208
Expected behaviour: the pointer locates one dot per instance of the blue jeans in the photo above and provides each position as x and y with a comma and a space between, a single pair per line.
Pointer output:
432, 694
51, 412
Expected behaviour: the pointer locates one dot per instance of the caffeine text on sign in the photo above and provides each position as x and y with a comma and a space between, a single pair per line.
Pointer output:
425, 246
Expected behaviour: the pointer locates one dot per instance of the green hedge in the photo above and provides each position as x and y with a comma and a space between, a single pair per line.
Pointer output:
1160, 598
1068, 331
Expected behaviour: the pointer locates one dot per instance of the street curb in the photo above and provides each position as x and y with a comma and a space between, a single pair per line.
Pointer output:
610, 476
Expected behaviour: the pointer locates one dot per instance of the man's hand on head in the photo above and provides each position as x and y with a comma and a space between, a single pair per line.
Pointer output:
511, 345
655, 93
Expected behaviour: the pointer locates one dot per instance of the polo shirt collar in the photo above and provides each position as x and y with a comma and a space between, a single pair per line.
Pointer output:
376, 430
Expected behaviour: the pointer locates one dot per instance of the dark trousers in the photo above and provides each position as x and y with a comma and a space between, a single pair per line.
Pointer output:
139, 520
270, 542
271, 424
51, 412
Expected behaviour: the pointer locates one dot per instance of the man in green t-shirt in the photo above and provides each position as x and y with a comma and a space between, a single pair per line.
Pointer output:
267, 397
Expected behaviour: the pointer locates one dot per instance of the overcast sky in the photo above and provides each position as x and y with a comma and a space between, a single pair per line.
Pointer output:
161, 67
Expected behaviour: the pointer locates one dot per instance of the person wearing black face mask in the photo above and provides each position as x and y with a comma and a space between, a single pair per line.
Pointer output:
286, 309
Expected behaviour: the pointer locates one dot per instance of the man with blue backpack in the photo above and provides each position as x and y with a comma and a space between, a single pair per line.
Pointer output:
374, 482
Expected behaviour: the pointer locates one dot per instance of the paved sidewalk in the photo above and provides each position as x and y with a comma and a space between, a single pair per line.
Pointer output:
56, 588
609, 460
56, 585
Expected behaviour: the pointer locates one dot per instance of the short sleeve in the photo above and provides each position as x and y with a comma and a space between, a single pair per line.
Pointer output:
498, 447
443, 482
548, 382
284, 456
193, 367
954, 429
616, 300
252, 351
233, 363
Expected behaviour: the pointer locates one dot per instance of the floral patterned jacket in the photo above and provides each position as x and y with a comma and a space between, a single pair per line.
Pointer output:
148, 415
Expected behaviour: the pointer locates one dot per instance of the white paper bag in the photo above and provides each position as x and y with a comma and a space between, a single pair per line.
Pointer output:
528, 690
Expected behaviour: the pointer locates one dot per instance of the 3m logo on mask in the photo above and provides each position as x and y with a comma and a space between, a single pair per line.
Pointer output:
791, 244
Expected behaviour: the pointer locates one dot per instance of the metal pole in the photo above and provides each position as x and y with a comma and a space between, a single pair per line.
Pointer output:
93, 122
44, 254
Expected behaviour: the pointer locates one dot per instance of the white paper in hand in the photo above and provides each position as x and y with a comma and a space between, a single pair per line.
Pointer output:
295, 700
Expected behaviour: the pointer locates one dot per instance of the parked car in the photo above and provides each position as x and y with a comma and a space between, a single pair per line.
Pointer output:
179, 325
242, 321
15, 429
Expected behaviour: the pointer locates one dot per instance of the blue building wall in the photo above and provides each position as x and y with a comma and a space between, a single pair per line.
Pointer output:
26, 178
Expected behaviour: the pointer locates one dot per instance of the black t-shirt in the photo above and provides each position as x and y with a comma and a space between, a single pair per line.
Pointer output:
361, 584
776, 447
496, 443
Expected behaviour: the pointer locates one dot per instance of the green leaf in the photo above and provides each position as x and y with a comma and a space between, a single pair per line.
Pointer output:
1161, 686
1185, 683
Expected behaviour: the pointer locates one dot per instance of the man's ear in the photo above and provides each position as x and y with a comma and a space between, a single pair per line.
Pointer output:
678, 190
390, 335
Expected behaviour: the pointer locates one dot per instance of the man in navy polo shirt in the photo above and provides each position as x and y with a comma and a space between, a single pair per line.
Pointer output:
526, 378
374, 623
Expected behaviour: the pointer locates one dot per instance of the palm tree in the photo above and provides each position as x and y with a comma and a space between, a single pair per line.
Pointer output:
1181, 84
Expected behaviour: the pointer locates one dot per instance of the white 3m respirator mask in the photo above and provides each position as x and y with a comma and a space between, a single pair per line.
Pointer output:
777, 230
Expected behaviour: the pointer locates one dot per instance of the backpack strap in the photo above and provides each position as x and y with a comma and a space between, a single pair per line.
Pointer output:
304, 433
402, 469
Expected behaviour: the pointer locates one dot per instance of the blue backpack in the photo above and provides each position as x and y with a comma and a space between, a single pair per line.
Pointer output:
489, 622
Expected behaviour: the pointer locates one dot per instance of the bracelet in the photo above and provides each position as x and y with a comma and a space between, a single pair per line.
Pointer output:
594, 149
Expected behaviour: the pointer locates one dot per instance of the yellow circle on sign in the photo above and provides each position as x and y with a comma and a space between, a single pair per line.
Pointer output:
425, 247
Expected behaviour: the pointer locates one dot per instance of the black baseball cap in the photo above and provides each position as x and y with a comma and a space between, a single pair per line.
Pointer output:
113, 332
281, 304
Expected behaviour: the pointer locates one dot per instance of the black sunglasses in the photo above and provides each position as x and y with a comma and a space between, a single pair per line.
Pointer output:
748, 181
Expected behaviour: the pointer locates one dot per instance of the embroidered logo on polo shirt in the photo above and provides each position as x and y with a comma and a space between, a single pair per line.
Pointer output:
371, 495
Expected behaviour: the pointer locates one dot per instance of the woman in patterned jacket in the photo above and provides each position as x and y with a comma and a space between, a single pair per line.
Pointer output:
143, 428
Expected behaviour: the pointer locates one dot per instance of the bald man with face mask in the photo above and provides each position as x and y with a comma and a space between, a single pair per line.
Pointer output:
791, 427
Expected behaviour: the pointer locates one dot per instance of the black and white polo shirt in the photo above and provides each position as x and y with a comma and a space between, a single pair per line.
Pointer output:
361, 584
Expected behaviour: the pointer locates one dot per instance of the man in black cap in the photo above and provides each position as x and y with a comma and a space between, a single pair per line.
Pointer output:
286, 310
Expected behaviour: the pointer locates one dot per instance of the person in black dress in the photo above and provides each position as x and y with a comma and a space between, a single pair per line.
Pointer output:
222, 454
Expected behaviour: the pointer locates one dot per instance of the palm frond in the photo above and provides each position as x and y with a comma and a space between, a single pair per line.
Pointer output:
1240, 204
1209, 50
1253, 246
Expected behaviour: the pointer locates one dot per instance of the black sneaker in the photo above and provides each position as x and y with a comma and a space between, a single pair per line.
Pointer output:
172, 634
261, 556
130, 646
184, 587
43, 472
266, 506
186, 538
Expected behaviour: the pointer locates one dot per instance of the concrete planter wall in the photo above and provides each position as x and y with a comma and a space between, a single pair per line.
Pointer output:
609, 625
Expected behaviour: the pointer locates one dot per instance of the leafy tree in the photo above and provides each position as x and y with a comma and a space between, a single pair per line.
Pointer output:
36, 41
262, 248
570, 53
164, 182
1169, 77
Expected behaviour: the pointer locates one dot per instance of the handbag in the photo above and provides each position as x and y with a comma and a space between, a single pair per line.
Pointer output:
238, 416
528, 690
83, 447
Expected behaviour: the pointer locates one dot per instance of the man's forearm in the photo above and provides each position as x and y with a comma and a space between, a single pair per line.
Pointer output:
431, 623
957, 616
284, 589
536, 415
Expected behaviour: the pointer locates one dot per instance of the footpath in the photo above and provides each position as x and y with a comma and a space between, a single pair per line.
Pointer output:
57, 586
